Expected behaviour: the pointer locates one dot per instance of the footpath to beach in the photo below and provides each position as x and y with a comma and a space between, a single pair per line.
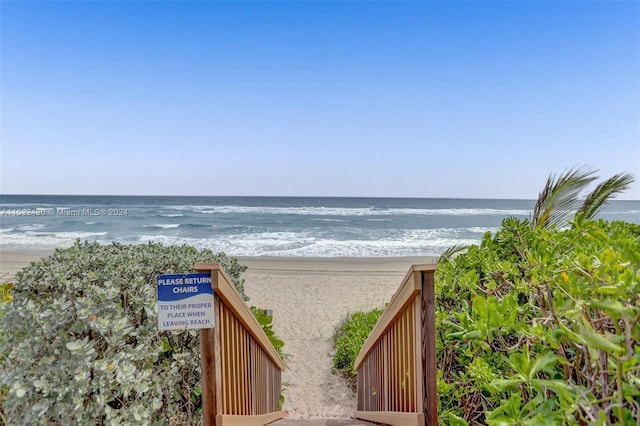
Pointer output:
309, 297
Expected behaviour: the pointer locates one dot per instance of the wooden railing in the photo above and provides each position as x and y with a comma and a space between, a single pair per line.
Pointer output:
397, 364
241, 370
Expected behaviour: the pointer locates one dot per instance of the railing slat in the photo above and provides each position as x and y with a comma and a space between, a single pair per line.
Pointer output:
391, 369
385, 377
405, 364
234, 370
226, 379
217, 350
417, 354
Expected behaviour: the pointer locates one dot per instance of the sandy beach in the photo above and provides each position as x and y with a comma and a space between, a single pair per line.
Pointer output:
13, 261
308, 297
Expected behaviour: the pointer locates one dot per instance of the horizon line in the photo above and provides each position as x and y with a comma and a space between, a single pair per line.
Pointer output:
287, 196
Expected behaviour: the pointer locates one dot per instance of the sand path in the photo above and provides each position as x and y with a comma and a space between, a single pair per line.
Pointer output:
309, 297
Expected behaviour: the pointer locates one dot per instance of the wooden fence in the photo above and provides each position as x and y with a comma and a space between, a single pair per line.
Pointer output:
397, 364
241, 370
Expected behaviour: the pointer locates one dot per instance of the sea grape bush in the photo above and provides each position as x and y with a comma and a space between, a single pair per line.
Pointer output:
541, 326
80, 342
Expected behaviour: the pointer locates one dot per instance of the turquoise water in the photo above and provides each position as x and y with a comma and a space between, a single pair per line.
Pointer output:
266, 226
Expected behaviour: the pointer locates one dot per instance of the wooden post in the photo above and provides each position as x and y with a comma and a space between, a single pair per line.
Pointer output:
430, 390
208, 355
207, 378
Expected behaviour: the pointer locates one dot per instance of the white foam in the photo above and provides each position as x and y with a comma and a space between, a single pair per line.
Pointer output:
413, 243
49, 239
388, 243
162, 225
348, 211
32, 227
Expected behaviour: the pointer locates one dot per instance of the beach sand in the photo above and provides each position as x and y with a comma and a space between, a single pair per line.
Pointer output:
309, 297
13, 261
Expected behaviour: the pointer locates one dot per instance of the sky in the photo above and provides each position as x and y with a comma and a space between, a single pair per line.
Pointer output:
384, 99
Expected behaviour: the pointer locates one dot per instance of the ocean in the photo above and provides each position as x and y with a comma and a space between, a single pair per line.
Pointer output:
266, 226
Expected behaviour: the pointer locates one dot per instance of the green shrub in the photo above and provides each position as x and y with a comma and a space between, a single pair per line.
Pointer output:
349, 338
265, 320
6, 297
541, 326
80, 342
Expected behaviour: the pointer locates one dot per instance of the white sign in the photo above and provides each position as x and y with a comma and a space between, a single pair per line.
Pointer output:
185, 301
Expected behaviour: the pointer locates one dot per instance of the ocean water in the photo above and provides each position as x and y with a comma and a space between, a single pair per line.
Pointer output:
266, 226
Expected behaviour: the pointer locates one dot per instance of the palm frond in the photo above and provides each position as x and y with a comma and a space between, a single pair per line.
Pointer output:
604, 192
452, 252
558, 201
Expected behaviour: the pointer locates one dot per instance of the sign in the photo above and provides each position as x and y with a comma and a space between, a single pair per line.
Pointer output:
185, 301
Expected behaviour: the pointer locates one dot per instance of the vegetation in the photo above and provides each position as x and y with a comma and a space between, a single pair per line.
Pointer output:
349, 338
540, 323
80, 342
542, 326
6, 297
265, 320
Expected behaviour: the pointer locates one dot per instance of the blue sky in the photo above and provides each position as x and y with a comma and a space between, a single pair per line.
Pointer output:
397, 99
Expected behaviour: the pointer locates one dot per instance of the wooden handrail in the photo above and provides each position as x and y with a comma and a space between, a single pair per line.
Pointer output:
396, 365
223, 287
241, 370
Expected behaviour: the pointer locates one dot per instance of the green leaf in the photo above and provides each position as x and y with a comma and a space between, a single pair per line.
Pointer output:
560, 388
597, 340
454, 420
521, 363
543, 363
612, 306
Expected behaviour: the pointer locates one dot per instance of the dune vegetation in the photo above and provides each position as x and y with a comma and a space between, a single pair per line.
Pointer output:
540, 323
542, 326
80, 342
